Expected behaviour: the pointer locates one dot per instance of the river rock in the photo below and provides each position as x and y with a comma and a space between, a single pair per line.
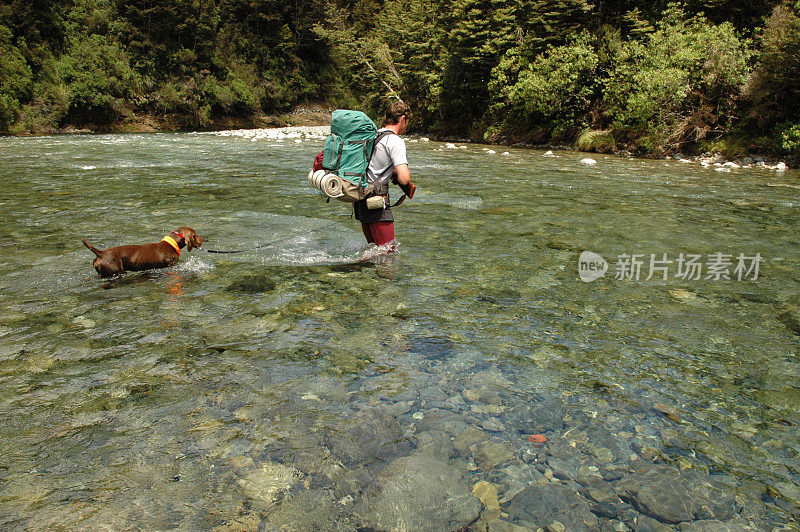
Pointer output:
648, 524
312, 510
538, 417
442, 420
670, 412
664, 494
418, 493
267, 481
248, 521
467, 438
372, 436
487, 494
500, 525
563, 469
588, 161
711, 525
603, 500
492, 425
492, 452
84, 322
549, 503
434, 443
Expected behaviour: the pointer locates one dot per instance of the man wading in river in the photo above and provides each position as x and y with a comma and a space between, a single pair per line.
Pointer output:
388, 162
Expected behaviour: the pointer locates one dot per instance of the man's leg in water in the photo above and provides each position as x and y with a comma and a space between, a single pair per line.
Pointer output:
379, 233
367, 232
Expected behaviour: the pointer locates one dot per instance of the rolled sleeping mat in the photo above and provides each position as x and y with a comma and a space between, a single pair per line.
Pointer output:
329, 184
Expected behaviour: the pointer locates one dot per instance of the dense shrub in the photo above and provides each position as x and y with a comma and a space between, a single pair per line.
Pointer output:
680, 84
239, 94
789, 135
557, 88
100, 79
16, 80
773, 90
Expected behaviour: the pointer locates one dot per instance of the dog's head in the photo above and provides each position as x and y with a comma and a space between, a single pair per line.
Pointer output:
190, 238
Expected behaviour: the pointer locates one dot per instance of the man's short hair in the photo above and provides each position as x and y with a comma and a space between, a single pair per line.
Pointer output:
395, 111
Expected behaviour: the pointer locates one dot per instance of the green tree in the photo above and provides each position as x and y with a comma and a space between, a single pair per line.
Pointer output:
481, 31
16, 80
164, 36
773, 90
360, 49
418, 54
100, 79
554, 92
544, 23
680, 84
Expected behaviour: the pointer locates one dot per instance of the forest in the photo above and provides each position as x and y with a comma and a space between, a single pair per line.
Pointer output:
651, 78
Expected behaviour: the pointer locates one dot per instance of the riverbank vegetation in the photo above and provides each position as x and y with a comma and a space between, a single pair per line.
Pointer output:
647, 77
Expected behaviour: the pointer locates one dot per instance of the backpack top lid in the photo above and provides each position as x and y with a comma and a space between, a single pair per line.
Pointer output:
352, 124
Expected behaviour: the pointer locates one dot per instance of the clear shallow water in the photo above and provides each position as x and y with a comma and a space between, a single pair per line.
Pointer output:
229, 387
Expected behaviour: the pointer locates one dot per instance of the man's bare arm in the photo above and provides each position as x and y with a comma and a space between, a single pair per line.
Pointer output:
403, 174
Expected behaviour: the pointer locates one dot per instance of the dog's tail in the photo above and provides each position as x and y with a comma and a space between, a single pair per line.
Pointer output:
94, 249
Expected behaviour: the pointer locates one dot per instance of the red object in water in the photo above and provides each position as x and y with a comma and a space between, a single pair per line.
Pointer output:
537, 438
318, 162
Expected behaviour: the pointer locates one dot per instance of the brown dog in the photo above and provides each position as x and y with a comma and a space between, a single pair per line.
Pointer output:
117, 260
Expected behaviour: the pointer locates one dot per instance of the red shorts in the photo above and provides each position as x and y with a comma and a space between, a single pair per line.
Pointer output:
378, 233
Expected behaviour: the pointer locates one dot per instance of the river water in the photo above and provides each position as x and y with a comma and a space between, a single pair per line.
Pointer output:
284, 386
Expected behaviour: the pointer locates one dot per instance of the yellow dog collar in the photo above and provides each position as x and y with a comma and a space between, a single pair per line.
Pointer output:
171, 241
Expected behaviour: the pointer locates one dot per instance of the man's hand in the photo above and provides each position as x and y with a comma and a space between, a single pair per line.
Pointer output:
409, 189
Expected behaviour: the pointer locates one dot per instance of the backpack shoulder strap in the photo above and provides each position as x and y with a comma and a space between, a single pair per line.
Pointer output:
382, 134
378, 138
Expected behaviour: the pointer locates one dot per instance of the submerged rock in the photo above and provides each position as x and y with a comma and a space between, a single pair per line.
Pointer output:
544, 415
84, 322
663, 493
490, 453
469, 437
312, 510
267, 481
712, 525
373, 436
487, 493
499, 525
551, 503
417, 493
435, 443
563, 469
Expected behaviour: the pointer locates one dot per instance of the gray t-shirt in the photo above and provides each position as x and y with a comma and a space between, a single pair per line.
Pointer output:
389, 152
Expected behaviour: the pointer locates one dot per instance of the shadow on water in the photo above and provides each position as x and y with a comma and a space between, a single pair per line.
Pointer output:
130, 279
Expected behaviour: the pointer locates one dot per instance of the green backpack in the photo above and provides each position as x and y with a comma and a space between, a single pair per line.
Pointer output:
349, 147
